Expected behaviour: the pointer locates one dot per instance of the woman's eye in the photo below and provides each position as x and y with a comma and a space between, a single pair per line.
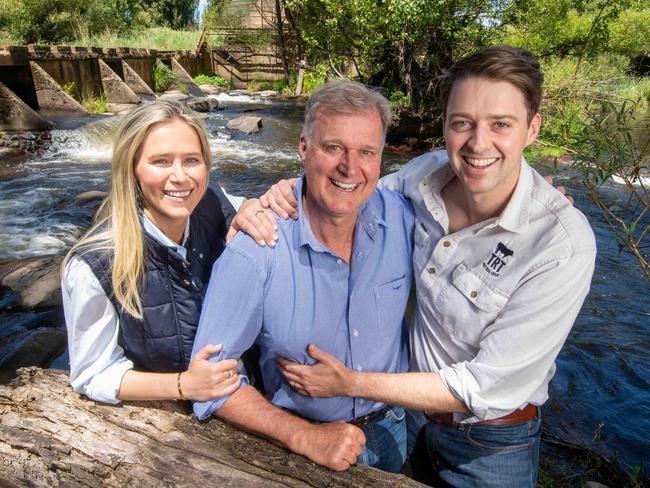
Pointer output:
160, 162
192, 161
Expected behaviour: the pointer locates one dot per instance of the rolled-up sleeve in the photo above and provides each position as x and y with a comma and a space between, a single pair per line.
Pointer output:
97, 362
517, 351
232, 311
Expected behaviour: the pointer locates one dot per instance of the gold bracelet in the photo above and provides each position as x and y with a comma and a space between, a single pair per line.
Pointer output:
178, 385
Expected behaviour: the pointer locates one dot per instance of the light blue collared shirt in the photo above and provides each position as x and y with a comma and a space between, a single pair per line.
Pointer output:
300, 292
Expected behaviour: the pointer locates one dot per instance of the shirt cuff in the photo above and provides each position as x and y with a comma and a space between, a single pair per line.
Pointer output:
105, 386
204, 410
462, 384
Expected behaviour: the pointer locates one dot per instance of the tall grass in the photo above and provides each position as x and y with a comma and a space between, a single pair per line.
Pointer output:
159, 38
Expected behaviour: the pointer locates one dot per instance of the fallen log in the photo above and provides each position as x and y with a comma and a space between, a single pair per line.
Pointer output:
51, 436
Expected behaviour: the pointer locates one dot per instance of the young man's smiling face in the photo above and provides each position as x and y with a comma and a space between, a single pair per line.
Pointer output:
486, 130
342, 160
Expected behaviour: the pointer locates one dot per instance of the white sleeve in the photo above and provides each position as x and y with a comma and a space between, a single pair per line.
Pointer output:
97, 362
234, 201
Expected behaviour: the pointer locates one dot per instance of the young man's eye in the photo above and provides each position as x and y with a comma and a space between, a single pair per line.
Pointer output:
460, 124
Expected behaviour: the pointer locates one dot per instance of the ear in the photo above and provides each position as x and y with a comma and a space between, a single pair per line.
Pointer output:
533, 129
302, 148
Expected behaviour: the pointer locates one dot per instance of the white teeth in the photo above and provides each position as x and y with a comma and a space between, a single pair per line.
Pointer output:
177, 194
481, 163
344, 186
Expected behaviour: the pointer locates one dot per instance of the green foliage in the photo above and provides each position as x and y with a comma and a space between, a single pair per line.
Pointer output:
261, 85
70, 88
95, 105
212, 80
176, 14
160, 38
615, 145
163, 77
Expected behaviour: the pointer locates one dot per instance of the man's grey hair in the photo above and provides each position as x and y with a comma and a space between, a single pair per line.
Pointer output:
345, 97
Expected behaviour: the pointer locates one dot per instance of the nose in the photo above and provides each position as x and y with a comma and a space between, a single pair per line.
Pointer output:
178, 174
479, 139
349, 163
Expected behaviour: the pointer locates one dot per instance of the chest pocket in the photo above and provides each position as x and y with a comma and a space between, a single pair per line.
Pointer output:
390, 300
468, 305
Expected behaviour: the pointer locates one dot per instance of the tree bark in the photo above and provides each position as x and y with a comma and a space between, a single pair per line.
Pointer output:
51, 436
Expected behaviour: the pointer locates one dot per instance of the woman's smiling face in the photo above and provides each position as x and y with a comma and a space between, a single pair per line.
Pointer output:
172, 175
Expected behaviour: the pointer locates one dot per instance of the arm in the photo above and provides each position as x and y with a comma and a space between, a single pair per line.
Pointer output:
330, 377
335, 445
98, 367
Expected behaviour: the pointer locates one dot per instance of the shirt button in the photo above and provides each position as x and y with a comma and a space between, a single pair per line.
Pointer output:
474, 294
446, 244
359, 367
361, 401
201, 256
355, 333
187, 282
339, 261
431, 270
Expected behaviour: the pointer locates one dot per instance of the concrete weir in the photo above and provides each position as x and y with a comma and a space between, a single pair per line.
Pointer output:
16, 114
50, 94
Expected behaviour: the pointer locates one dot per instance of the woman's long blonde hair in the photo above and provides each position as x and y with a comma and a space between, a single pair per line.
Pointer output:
116, 227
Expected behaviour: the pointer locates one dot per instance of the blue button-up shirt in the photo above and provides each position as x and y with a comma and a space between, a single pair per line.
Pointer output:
300, 292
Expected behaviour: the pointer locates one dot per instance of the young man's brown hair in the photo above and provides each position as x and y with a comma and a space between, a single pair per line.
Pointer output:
498, 63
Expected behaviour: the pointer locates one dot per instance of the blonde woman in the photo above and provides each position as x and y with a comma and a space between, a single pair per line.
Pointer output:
133, 285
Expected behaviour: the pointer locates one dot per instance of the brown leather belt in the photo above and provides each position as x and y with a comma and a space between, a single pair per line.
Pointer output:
522, 416
361, 421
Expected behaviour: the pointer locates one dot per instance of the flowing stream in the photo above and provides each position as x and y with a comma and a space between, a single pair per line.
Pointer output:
600, 397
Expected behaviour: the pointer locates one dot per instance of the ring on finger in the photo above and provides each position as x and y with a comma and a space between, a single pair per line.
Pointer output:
230, 374
259, 210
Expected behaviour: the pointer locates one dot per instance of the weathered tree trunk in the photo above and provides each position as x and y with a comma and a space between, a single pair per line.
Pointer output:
50, 436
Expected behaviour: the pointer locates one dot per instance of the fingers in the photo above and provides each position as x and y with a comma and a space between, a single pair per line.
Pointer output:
281, 199
232, 232
319, 355
226, 365
207, 351
549, 179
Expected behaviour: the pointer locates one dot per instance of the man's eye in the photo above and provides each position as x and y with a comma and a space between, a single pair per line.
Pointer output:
332, 148
502, 125
460, 124
367, 153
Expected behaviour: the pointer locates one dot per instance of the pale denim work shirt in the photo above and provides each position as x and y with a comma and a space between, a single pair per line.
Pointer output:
302, 293
496, 300
97, 361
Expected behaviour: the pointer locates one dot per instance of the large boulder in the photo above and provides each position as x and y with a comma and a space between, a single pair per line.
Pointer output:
247, 124
203, 104
34, 282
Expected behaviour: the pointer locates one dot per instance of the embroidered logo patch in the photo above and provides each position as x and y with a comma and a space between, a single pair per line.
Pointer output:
497, 260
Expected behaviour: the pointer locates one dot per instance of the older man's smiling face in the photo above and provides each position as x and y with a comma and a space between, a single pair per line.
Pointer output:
342, 161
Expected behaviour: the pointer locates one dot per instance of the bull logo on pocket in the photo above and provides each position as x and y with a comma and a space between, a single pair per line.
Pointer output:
497, 260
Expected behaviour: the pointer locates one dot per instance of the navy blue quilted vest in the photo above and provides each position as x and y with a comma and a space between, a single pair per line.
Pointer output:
172, 290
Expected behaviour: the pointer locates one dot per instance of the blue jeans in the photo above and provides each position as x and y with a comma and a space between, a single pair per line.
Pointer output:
476, 455
385, 447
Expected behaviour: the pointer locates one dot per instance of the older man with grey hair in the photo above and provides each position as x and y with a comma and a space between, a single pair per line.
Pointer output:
339, 277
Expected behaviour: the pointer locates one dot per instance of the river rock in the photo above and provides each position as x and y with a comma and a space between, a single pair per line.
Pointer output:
175, 95
36, 281
247, 124
37, 348
213, 89
203, 104
267, 93
90, 197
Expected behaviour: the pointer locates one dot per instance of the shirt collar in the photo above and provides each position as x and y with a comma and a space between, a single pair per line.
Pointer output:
368, 217
515, 217
153, 230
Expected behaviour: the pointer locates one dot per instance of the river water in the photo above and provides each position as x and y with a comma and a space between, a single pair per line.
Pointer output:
600, 397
